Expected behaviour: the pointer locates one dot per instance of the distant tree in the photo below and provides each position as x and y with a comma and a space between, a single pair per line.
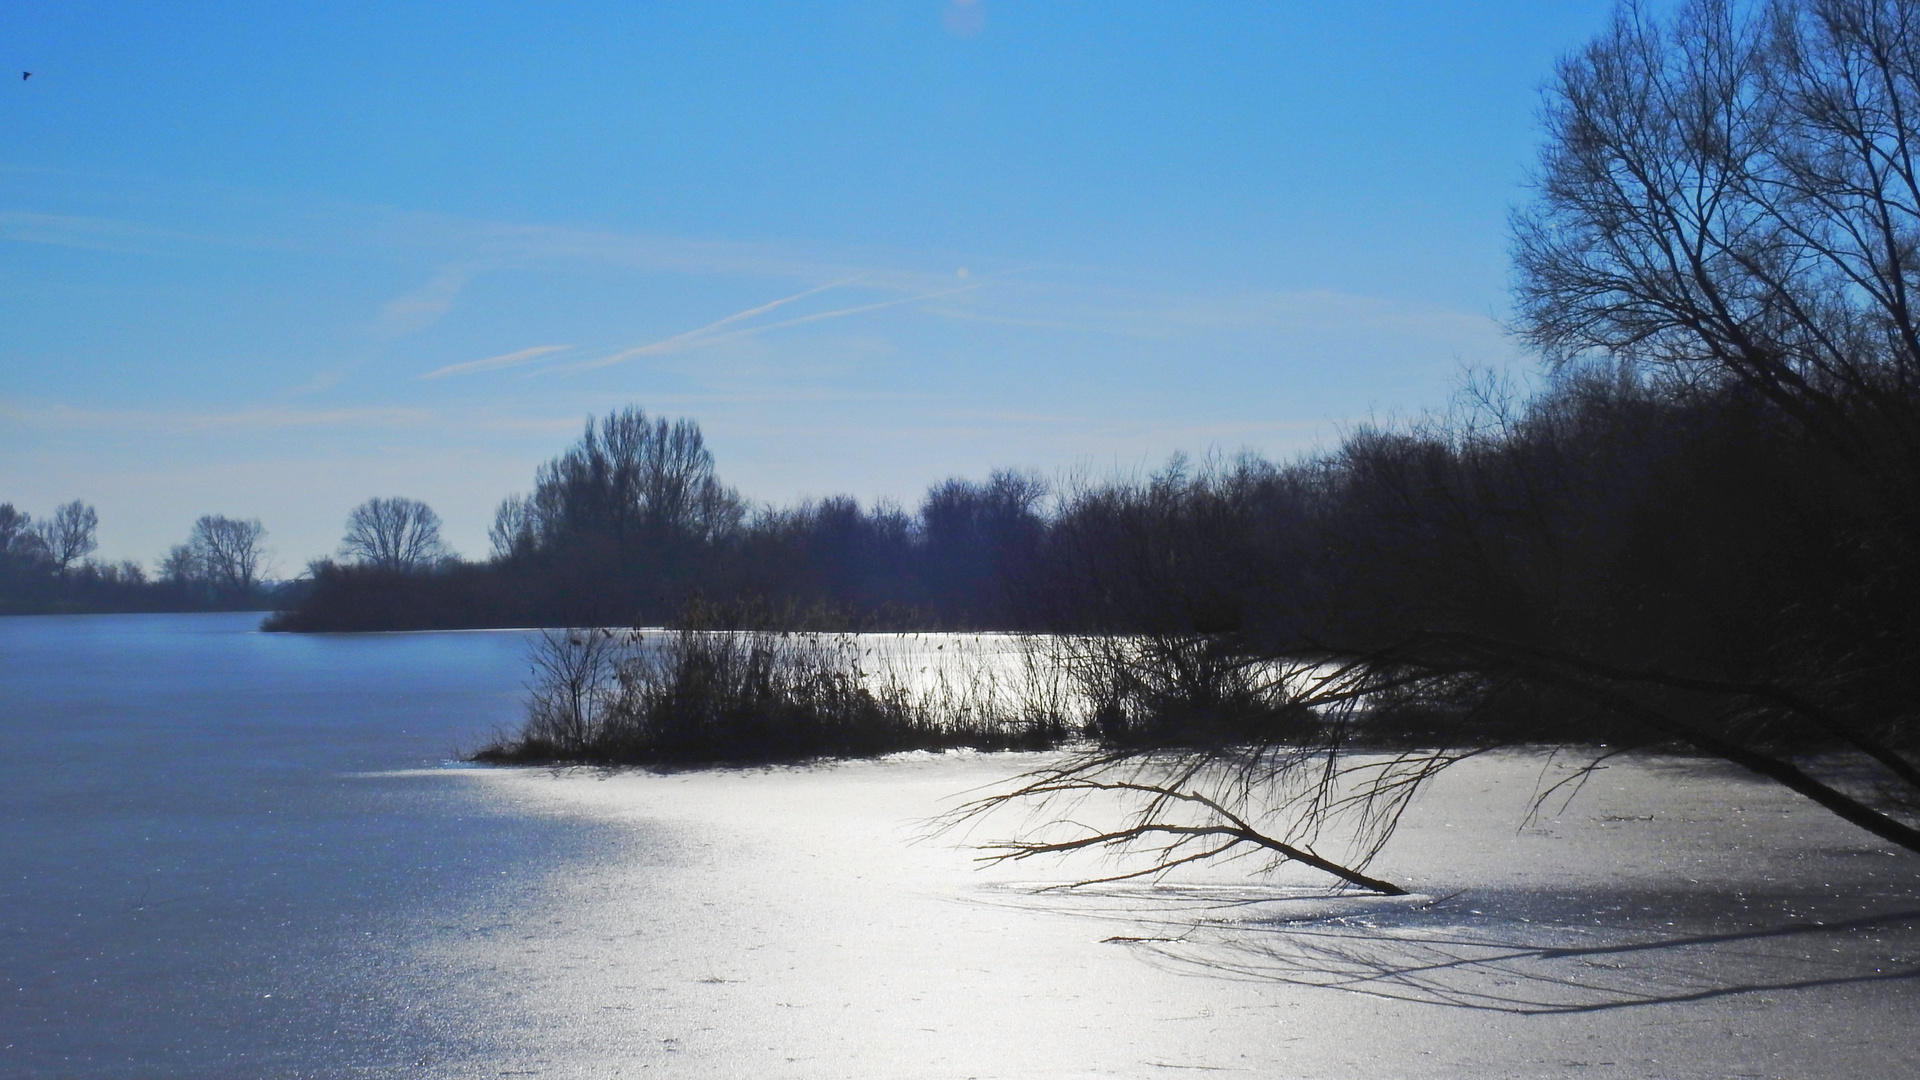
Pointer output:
180, 567
394, 534
516, 528
632, 479
44, 569
225, 553
68, 536
979, 538
17, 536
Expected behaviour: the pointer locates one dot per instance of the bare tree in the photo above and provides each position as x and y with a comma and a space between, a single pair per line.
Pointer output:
633, 477
574, 687
68, 536
394, 534
179, 566
227, 553
1734, 194
1731, 196
1729, 203
515, 530
1220, 753
17, 535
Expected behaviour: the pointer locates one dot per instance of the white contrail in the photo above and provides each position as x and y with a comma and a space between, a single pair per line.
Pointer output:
703, 336
666, 344
492, 363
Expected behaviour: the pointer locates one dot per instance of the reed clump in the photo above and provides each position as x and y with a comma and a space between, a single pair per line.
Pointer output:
696, 696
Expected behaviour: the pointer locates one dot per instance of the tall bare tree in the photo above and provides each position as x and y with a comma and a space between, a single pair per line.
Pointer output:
178, 566
516, 529
632, 478
1734, 193
228, 553
17, 535
68, 535
1729, 202
395, 534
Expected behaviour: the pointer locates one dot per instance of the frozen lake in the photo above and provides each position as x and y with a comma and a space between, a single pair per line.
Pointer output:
225, 853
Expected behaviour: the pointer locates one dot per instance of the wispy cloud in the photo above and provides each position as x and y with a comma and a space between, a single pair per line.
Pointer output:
495, 363
705, 335
89, 233
1087, 326
707, 331
422, 307
325, 380
178, 421
1268, 319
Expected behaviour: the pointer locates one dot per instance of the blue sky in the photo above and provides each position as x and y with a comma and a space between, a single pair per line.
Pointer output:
269, 260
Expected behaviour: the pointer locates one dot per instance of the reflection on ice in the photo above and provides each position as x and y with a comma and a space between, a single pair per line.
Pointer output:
797, 910
231, 854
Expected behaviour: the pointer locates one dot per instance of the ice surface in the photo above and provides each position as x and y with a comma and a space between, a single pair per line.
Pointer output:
1674, 921
233, 854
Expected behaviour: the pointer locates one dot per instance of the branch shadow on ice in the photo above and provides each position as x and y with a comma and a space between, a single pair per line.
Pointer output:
1518, 953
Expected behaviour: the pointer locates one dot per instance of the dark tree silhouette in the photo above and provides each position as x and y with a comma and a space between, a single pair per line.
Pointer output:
1732, 195
630, 480
68, 536
44, 569
1704, 534
979, 539
227, 554
396, 535
18, 539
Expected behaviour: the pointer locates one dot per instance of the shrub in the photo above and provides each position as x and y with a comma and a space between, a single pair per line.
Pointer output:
747, 696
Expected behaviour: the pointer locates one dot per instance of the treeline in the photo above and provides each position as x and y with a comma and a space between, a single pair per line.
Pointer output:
1686, 528
1630, 528
632, 526
46, 568
1618, 560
